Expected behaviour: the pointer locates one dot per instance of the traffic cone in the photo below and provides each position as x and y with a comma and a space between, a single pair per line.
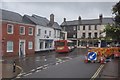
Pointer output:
102, 60
86, 59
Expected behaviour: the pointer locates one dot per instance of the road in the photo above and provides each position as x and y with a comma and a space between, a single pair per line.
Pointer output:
53, 62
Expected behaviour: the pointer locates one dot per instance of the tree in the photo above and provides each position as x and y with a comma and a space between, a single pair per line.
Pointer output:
116, 11
113, 31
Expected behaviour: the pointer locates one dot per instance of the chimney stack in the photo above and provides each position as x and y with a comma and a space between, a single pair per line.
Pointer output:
64, 19
52, 19
79, 20
100, 18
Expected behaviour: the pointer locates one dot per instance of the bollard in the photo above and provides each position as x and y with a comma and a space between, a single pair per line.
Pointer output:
14, 66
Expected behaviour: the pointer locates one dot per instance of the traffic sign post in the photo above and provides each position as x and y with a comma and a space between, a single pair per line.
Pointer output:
92, 56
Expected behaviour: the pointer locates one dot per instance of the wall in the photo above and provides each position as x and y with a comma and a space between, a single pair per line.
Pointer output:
15, 37
42, 36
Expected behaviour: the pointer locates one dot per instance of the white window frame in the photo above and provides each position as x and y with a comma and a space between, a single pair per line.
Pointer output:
23, 30
9, 46
12, 28
29, 30
30, 45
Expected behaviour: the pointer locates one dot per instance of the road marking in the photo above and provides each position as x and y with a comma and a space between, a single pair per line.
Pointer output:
27, 74
18, 76
46, 65
38, 70
97, 72
33, 70
40, 67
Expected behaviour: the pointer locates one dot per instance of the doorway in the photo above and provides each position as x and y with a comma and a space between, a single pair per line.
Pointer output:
21, 48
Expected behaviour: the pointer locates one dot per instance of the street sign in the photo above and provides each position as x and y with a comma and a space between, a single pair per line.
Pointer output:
92, 56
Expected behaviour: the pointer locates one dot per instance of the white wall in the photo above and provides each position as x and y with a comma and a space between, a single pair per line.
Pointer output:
43, 36
92, 31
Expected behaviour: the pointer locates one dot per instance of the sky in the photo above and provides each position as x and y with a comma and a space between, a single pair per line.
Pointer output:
68, 10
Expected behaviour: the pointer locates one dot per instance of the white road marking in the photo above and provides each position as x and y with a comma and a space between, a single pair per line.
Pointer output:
45, 68
27, 74
97, 72
33, 70
45, 65
38, 70
40, 67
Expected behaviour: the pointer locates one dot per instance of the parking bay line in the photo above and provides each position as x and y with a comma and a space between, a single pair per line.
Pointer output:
97, 72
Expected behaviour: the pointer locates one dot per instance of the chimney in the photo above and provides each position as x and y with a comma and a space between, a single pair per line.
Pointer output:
64, 19
52, 19
79, 19
100, 18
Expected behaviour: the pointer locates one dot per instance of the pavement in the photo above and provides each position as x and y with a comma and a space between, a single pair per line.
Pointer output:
110, 69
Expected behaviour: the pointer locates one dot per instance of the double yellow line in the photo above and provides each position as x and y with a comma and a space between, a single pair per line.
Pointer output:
97, 72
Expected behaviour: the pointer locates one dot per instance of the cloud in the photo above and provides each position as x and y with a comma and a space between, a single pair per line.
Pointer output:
70, 10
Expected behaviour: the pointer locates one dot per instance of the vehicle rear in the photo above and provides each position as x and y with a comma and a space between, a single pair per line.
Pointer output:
61, 46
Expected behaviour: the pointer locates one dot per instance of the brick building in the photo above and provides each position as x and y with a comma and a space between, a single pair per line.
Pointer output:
18, 36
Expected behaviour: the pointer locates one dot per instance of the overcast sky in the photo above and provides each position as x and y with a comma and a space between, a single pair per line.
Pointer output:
69, 10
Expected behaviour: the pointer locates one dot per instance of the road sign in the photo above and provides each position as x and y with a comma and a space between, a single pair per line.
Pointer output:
92, 56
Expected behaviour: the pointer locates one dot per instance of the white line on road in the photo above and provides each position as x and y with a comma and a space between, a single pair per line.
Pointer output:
97, 72
27, 74
40, 67
45, 65
33, 70
38, 70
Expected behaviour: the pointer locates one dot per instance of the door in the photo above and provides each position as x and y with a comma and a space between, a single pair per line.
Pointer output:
22, 48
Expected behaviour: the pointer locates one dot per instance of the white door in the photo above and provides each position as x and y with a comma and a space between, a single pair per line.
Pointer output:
22, 48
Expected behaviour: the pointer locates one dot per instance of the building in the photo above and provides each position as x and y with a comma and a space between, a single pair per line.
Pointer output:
46, 32
86, 32
17, 35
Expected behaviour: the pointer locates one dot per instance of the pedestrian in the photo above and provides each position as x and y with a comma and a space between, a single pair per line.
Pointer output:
14, 66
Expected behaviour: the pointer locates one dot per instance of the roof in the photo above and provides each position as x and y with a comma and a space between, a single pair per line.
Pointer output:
56, 26
38, 20
88, 22
13, 16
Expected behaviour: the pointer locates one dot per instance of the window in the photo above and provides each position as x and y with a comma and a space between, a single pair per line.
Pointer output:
30, 31
22, 30
74, 28
95, 27
41, 45
89, 27
78, 27
89, 35
74, 36
83, 35
95, 34
10, 29
84, 27
45, 32
9, 46
49, 33
30, 45
55, 34
39, 32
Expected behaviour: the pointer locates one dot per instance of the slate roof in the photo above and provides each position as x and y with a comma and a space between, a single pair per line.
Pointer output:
88, 22
38, 20
13, 16
56, 26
